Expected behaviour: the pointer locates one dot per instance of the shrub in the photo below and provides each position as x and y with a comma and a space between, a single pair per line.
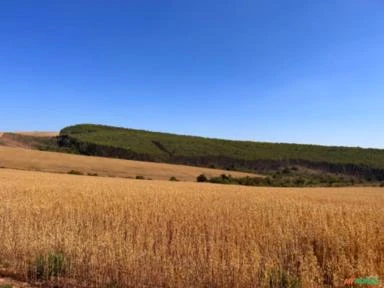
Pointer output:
231, 168
112, 284
56, 265
224, 179
286, 170
75, 172
173, 178
93, 174
282, 279
46, 266
299, 181
140, 177
251, 181
202, 178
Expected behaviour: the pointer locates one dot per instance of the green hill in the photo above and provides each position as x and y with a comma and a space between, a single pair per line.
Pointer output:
125, 143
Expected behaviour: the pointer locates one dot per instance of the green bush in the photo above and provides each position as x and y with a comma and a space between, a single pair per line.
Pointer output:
224, 179
299, 181
202, 178
251, 181
280, 179
75, 172
281, 279
112, 284
286, 170
46, 266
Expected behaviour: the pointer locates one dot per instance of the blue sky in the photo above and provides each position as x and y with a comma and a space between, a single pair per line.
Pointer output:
279, 71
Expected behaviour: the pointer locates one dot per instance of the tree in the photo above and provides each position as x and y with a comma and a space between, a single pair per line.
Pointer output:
202, 178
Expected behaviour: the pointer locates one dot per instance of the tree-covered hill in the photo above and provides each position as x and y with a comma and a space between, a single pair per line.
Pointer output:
239, 155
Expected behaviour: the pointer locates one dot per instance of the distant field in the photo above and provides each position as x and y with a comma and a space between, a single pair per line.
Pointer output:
30, 140
38, 133
26, 159
110, 232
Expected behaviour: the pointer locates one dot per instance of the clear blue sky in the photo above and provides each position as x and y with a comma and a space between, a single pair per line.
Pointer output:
281, 71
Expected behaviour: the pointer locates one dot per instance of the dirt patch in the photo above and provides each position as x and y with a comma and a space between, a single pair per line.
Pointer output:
8, 282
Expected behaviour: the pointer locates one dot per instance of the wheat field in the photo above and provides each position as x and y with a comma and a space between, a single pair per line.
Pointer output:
38, 133
78, 231
27, 159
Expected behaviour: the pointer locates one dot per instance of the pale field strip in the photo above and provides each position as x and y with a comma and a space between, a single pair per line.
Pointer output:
26, 159
38, 133
14, 283
165, 234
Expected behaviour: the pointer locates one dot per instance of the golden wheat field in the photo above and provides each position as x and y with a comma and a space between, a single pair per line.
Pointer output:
108, 232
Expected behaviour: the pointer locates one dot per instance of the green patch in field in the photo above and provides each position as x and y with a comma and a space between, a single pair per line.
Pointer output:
53, 264
75, 172
282, 279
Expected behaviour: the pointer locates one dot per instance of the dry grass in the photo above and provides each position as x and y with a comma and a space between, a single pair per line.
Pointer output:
109, 232
38, 133
25, 159
11, 283
8, 140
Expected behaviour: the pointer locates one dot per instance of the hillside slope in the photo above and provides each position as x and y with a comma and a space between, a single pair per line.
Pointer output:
125, 143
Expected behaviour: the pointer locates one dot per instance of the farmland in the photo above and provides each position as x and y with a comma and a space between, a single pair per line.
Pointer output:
312, 165
25, 159
38, 133
111, 232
